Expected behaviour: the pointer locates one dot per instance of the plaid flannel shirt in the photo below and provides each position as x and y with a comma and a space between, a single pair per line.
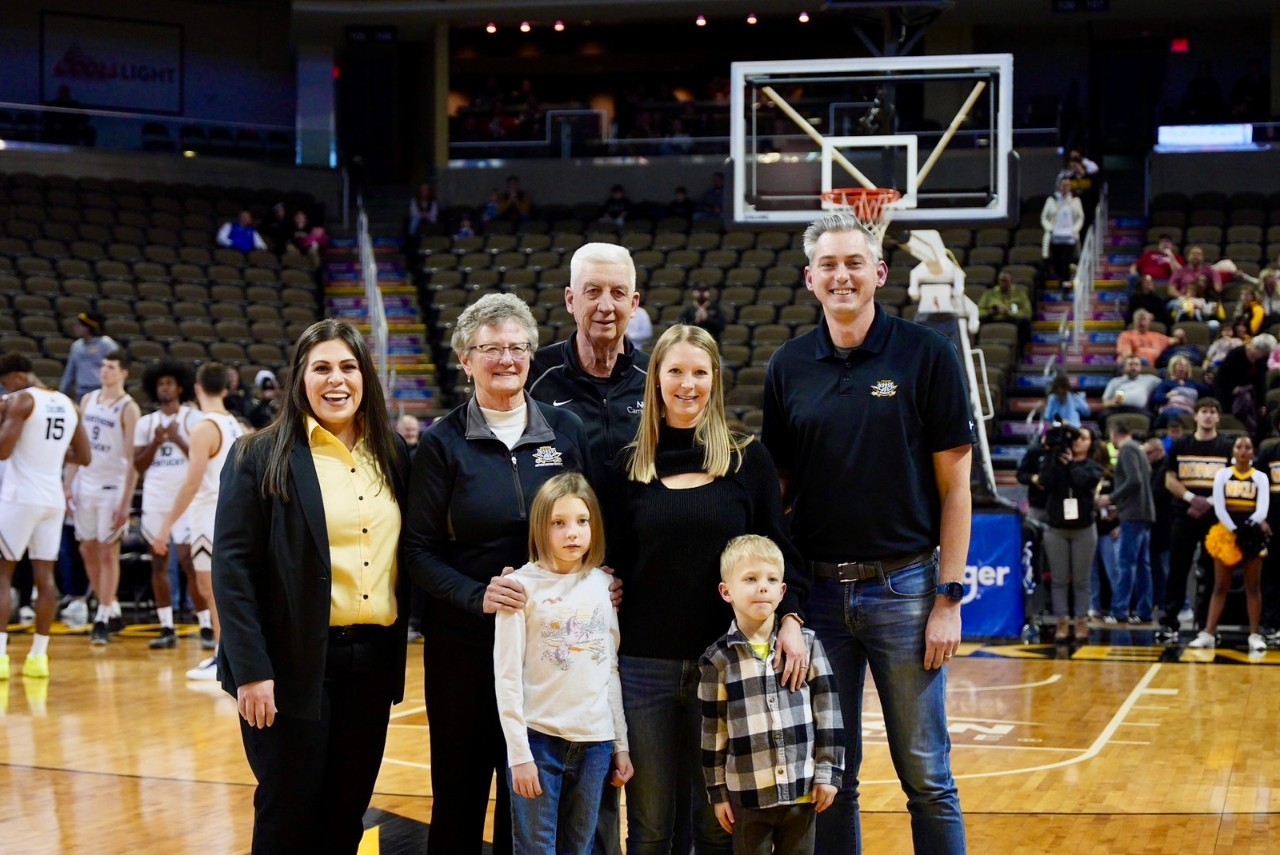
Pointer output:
762, 742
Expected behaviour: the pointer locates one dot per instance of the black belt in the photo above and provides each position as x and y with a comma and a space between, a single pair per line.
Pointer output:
862, 571
358, 632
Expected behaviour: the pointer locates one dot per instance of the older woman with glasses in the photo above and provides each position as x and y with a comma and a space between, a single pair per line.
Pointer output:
475, 474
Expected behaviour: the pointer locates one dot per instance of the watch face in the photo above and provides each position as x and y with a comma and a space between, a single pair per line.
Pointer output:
952, 591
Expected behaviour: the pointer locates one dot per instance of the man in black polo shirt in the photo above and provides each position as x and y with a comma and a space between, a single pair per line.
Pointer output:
868, 421
1192, 463
1269, 462
597, 373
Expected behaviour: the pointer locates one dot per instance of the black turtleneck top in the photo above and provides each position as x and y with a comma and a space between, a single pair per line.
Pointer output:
665, 544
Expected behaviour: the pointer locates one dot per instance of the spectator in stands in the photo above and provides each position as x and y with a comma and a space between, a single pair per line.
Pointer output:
409, 427
1144, 296
711, 202
516, 205
1141, 341
1130, 392
677, 140
1241, 382
1029, 474
1182, 278
702, 312
241, 234
1178, 346
616, 208
1232, 337
1062, 219
640, 328
1085, 182
681, 205
307, 240
238, 402
84, 363
1159, 263
424, 210
264, 411
1007, 302
1251, 311
1176, 396
1198, 304
277, 228
489, 212
1063, 405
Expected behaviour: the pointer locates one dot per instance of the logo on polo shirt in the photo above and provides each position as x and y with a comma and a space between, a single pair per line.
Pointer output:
547, 455
884, 389
636, 409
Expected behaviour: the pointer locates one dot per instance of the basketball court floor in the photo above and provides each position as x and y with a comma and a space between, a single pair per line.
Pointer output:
1119, 746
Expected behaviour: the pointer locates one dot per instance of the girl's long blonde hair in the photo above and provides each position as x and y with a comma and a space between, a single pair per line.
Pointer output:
712, 431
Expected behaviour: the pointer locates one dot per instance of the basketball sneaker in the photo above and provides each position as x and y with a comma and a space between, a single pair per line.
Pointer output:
36, 666
100, 635
205, 671
76, 613
1257, 644
115, 624
206, 638
1203, 641
167, 641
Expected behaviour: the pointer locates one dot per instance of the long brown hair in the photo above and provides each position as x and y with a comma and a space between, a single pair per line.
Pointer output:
290, 424
712, 431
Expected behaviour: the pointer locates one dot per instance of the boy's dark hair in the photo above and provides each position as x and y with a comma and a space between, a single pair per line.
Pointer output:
11, 362
119, 357
1208, 403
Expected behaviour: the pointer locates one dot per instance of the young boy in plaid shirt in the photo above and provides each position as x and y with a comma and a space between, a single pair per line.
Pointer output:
772, 757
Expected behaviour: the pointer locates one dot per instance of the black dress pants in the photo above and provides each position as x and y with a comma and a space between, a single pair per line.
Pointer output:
315, 777
468, 749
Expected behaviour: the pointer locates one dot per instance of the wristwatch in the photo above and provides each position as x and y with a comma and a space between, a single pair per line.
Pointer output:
952, 591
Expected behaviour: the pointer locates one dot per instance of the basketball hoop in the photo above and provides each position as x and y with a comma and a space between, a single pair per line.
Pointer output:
871, 205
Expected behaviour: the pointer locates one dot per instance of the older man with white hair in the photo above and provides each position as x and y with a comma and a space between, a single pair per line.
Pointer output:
597, 373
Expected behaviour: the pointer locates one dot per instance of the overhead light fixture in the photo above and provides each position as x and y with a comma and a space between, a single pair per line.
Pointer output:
751, 18
804, 17
559, 26
524, 27
492, 28
701, 21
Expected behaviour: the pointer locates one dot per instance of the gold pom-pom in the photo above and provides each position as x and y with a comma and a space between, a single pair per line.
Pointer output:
1221, 544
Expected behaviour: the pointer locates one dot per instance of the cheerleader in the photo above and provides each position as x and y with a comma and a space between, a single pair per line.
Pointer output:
1241, 497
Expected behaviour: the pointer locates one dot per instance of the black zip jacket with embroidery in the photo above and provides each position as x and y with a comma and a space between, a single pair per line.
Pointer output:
467, 512
611, 416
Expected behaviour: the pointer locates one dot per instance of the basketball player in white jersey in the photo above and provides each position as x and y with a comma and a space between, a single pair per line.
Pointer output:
37, 426
211, 440
160, 449
101, 493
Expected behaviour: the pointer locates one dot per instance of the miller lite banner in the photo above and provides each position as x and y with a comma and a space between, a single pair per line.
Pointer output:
111, 63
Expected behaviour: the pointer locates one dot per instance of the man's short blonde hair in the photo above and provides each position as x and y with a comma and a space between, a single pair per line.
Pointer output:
749, 547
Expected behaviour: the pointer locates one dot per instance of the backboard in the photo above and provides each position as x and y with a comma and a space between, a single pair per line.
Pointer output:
939, 129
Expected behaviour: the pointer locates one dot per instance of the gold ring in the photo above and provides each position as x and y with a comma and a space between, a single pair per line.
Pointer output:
946, 656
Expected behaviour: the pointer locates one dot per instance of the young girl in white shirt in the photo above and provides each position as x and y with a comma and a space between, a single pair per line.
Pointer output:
556, 671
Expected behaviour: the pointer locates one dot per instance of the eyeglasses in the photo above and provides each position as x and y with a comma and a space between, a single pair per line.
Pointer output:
497, 351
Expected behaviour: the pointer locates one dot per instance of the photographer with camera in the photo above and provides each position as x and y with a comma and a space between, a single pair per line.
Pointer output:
1241, 498
1070, 476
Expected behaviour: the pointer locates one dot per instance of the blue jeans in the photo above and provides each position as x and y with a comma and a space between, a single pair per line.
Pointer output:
1131, 585
1104, 561
563, 819
664, 729
881, 623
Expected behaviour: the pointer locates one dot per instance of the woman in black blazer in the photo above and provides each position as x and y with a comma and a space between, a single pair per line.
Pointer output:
313, 597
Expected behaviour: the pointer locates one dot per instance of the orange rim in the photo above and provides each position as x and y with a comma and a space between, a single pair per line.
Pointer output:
867, 203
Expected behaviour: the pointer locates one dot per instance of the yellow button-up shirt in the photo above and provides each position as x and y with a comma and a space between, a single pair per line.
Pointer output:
363, 522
